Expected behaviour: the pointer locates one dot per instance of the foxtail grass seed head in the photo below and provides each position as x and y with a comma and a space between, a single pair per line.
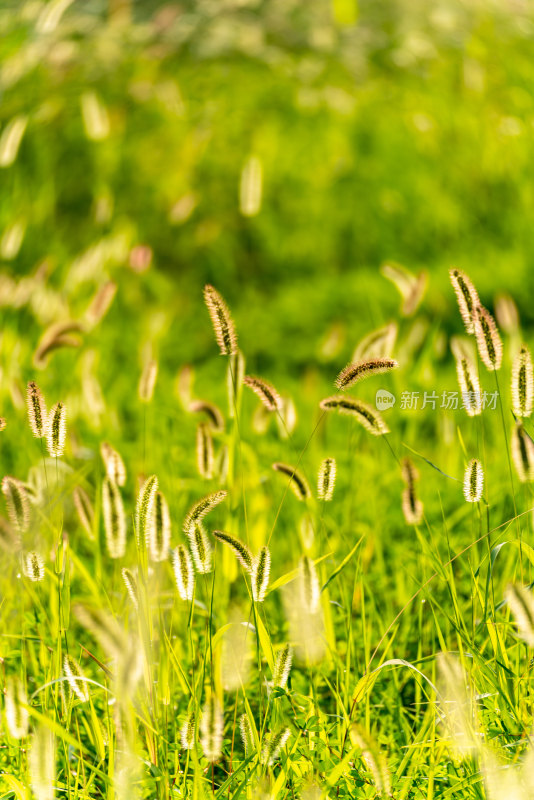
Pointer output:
247, 737
365, 415
282, 667
310, 589
205, 461
274, 743
222, 322
521, 602
145, 508
469, 386
3, 424
286, 420
202, 507
353, 373
147, 382
183, 572
297, 482
17, 716
326, 479
131, 586
113, 463
522, 384
76, 678
473, 481
265, 391
211, 728
412, 507
18, 506
467, 297
101, 303
240, 550
523, 453
223, 464
506, 314
201, 549
488, 340
114, 519
37, 413
84, 509
188, 731
261, 569
211, 411
33, 566
57, 430
160, 529
42, 764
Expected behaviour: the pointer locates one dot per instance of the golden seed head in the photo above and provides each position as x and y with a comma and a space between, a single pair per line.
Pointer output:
201, 549
213, 413
145, 508
265, 391
467, 297
366, 416
488, 340
115, 469
159, 539
183, 572
114, 519
240, 549
201, 508
297, 482
261, 569
37, 413
33, 566
522, 384
205, 459
358, 371
222, 321
57, 430
326, 479
469, 386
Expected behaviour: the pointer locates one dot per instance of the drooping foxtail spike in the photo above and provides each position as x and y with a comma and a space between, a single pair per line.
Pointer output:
366, 416
57, 430
297, 482
359, 370
326, 479
473, 481
222, 321
488, 340
412, 507
467, 297
265, 391
240, 549
84, 509
203, 507
261, 569
114, 519
213, 413
37, 413
522, 384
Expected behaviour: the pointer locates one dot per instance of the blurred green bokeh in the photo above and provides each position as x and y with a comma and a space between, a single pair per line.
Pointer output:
281, 150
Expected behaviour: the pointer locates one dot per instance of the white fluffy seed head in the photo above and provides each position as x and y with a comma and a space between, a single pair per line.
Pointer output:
183, 572
326, 479
201, 549
261, 569
37, 413
113, 463
211, 728
187, 731
473, 481
114, 519
57, 430
522, 384
282, 666
467, 297
488, 340
144, 509
33, 566
76, 678
221, 319
469, 386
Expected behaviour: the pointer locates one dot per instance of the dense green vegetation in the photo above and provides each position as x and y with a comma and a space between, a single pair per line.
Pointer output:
285, 153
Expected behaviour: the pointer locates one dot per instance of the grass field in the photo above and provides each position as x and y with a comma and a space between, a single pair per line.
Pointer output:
212, 583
